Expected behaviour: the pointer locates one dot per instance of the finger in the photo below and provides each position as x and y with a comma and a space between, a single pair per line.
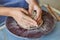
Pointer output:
23, 10
39, 21
39, 14
29, 26
30, 9
24, 24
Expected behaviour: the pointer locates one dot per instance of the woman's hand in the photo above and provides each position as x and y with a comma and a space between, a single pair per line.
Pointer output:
33, 5
23, 20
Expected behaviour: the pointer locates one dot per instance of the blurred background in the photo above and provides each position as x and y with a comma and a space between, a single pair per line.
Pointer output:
53, 3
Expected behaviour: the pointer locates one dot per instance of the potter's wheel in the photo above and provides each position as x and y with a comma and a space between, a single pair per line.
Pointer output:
47, 27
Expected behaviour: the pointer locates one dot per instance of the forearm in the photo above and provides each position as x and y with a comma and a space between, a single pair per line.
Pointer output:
33, 2
4, 11
29, 1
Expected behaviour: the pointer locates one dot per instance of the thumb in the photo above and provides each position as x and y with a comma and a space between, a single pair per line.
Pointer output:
30, 9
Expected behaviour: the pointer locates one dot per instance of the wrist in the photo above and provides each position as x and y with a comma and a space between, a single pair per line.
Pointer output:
8, 10
4, 11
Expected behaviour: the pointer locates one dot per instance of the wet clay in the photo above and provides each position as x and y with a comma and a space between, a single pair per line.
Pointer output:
46, 27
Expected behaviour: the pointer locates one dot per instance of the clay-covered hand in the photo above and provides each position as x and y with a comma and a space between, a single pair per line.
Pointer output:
34, 5
23, 20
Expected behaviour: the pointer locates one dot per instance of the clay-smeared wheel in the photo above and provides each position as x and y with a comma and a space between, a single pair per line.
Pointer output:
47, 27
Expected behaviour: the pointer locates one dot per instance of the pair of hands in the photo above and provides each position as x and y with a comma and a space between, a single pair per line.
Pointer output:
25, 21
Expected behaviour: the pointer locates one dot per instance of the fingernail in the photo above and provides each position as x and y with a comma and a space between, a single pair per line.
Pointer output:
36, 25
